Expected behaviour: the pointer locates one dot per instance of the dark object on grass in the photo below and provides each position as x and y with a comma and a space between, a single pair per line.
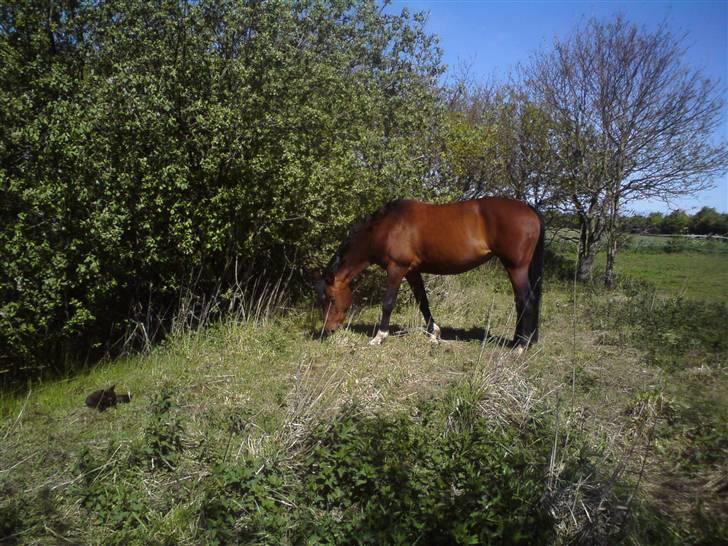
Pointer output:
106, 398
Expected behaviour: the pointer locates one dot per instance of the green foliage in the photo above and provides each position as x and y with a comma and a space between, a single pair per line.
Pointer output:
143, 145
23, 512
708, 221
117, 503
685, 338
468, 150
26, 511
242, 503
558, 267
673, 245
161, 443
389, 480
675, 332
498, 142
676, 222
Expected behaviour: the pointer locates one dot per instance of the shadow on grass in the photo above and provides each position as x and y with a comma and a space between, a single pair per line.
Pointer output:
474, 333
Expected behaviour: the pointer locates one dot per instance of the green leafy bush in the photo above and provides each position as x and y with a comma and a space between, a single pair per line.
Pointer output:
161, 444
151, 147
242, 503
389, 480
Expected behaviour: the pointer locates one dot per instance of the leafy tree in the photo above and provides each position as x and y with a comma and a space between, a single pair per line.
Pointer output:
675, 222
709, 221
498, 141
145, 147
654, 220
523, 151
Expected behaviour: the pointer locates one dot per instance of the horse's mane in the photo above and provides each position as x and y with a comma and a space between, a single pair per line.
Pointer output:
366, 222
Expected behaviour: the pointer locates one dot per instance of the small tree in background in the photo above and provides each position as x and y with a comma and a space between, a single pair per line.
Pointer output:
676, 222
635, 122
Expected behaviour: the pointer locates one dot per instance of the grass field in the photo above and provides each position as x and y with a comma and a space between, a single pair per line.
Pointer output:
676, 266
691, 275
611, 430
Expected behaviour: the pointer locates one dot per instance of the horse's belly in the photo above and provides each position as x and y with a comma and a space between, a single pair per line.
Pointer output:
452, 265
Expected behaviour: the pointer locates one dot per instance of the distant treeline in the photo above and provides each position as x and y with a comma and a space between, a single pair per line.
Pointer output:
707, 221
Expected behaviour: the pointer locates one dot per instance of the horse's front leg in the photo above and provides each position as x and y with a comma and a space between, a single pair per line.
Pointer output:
394, 279
414, 278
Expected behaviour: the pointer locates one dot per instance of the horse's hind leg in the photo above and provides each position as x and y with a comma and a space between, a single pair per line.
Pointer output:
524, 307
418, 289
394, 279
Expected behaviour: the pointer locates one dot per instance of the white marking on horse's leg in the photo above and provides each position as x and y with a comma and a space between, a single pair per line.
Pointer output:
379, 338
435, 334
519, 350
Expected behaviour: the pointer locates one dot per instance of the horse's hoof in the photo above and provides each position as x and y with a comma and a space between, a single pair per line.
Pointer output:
435, 334
519, 350
379, 338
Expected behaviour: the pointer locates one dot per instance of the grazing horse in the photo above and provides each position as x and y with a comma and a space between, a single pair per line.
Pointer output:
408, 238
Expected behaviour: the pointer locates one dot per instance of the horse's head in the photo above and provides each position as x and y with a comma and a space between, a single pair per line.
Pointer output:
334, 298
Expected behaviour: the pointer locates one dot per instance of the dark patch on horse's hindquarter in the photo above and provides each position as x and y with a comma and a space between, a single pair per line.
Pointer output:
106, 398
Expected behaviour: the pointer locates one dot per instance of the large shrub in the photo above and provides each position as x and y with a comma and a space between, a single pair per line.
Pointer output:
146, 144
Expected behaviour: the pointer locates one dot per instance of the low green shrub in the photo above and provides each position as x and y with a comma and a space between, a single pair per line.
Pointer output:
243, 503
385, 479
389, 480
675, 332
161, 444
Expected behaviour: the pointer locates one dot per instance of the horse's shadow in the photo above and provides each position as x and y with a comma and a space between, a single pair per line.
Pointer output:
447, 333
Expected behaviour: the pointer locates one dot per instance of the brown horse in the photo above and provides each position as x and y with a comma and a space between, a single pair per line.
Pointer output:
408, 238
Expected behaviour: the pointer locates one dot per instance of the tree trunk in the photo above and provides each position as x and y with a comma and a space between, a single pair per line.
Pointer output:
611, 254
612, 235
585, 266
587, 250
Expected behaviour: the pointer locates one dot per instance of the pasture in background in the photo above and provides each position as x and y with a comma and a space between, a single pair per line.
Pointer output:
676, 265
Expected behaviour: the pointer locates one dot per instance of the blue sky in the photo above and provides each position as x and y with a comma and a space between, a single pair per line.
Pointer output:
492, 37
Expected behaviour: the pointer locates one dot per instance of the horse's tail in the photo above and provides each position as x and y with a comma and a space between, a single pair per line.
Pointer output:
535, 276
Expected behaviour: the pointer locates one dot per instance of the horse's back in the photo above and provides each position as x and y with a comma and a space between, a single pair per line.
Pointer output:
455, 237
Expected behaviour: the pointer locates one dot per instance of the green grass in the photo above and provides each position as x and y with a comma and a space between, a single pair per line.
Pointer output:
244, 432
675, 265
691, 275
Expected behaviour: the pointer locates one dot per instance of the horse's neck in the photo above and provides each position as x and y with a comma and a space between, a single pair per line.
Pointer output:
354, 262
